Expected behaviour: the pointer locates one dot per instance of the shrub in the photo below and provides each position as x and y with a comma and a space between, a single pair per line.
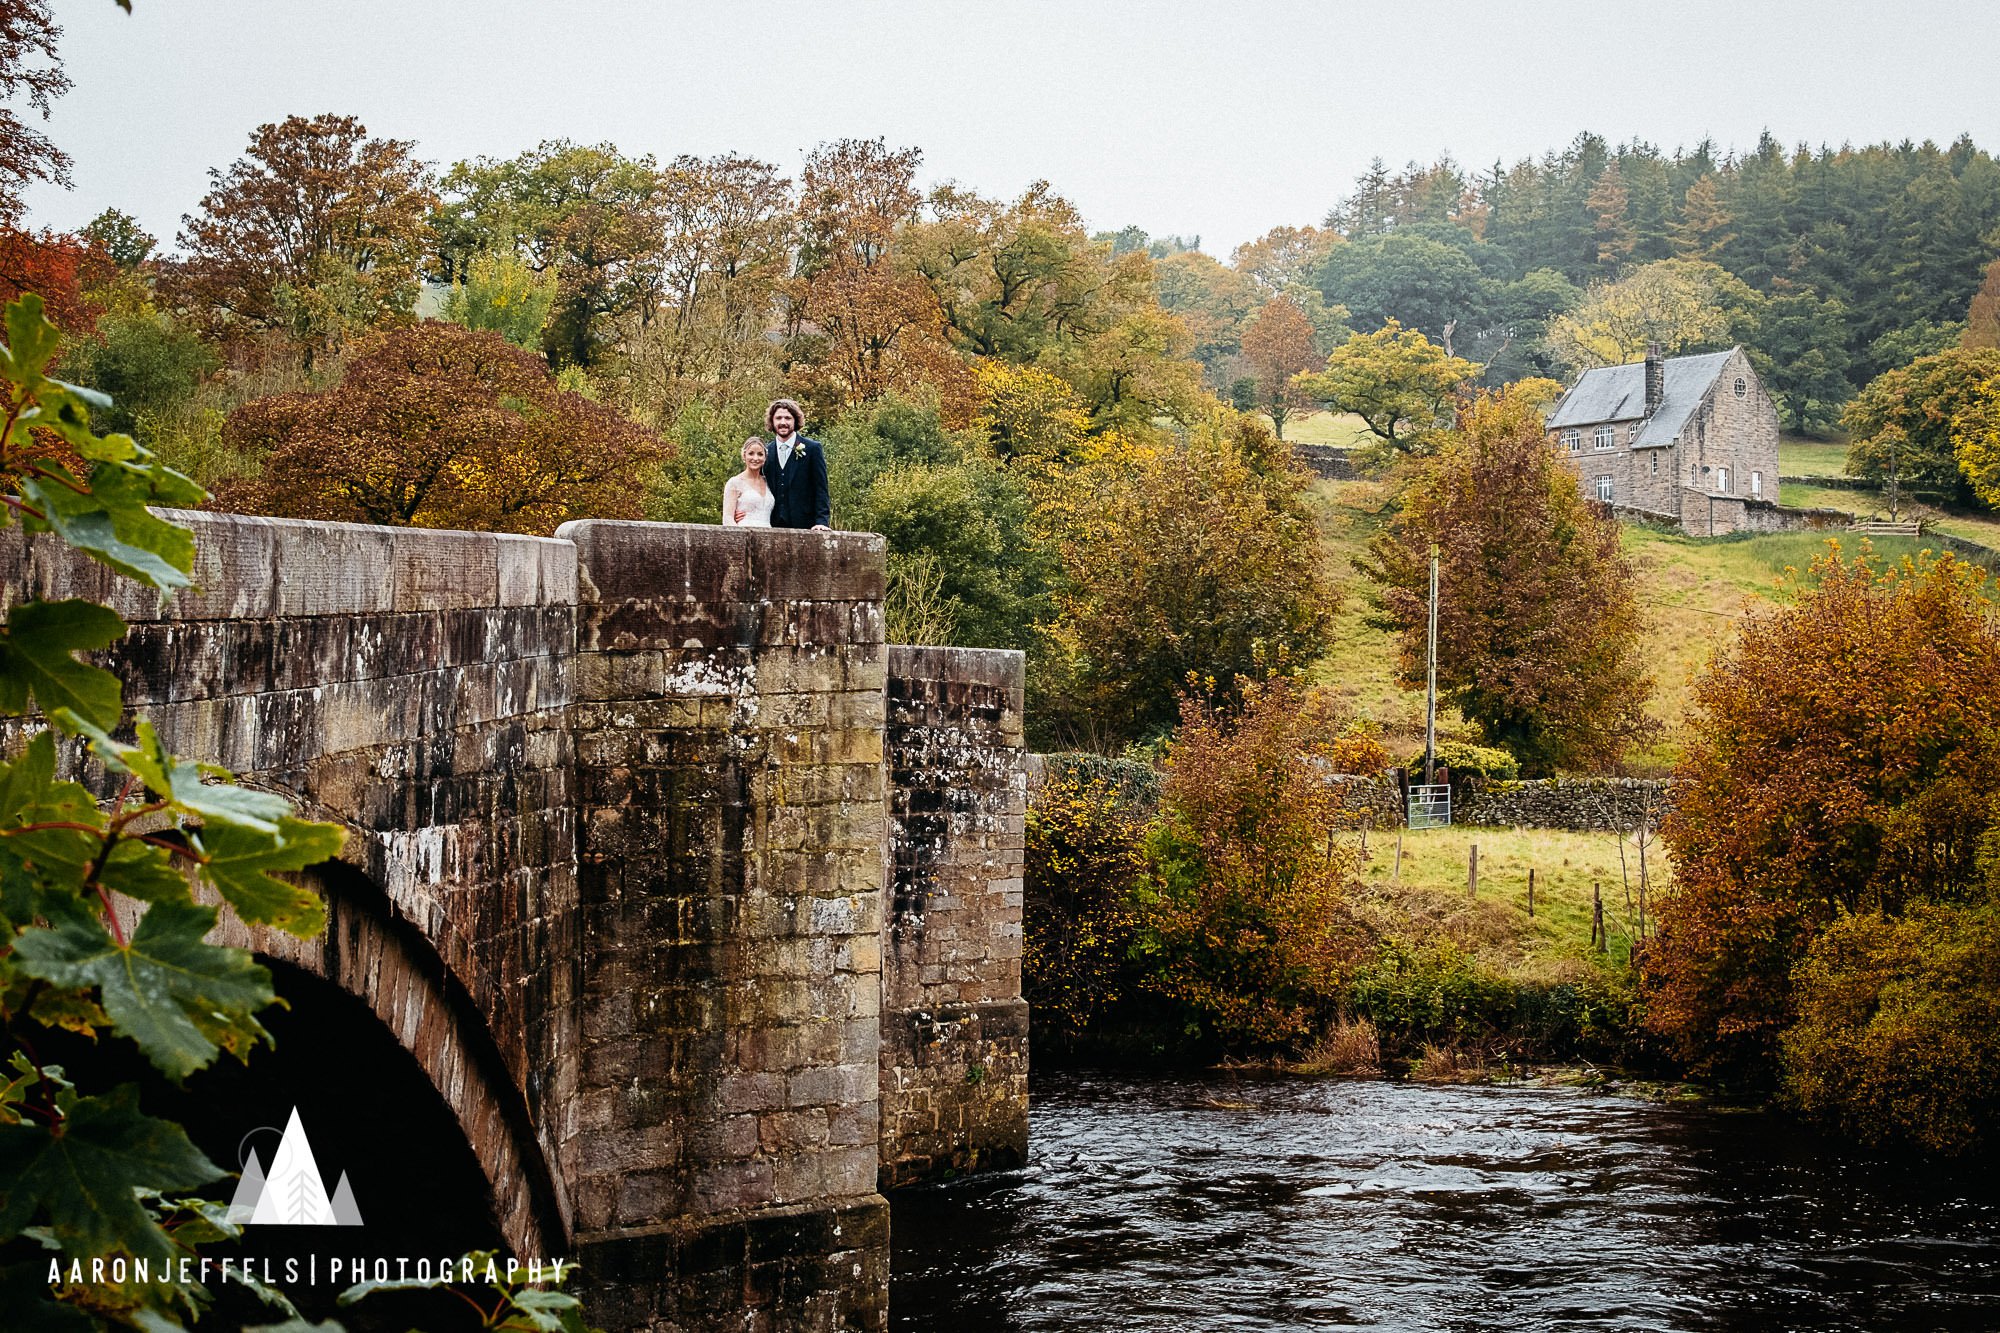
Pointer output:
1085, 860
1249, 929
1359, 750
1898, 1032
1466, 760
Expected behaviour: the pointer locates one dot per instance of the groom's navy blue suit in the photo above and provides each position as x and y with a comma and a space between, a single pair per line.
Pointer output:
799, 497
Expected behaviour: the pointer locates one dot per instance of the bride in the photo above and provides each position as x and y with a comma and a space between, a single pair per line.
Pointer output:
746, 497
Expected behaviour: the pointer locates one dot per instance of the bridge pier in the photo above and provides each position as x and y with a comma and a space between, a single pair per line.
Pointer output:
731, 825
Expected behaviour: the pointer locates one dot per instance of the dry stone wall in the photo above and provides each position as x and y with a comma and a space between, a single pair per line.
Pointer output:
1606, 804
954, 1025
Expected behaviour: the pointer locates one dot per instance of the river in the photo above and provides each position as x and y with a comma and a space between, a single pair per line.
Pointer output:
1183, 1204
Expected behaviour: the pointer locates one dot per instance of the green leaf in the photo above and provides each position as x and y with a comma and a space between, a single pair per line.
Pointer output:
31, 338
82, 1176
111, 524
24, 1295
143, 871
240, 861
38, 647
179, 781
180, 999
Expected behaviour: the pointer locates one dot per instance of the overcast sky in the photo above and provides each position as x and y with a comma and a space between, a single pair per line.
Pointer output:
1217, 119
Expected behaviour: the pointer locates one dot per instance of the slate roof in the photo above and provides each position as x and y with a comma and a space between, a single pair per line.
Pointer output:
1618, 393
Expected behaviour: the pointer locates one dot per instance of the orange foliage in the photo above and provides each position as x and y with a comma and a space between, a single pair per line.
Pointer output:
62, 269
1843, 758
442, 426
1250, 929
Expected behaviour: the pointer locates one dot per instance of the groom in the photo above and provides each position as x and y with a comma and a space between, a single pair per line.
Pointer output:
795, 470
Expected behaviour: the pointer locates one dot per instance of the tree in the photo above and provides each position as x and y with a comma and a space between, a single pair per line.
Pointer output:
1672, 303
1841, 760
1802, 350
1249, 929
1278, 344
1085, 864
1904, 419
119, 235
1211, 300
1982, 317
1538, 616
30, 68
1284, 258
587, 215
1029, 417
441, 426
146, 361
1421, 283
1396, 381
315, 234
861, 323
1612, 241
500, 292
1975, 438
67, 272
1184, 561
1702, 231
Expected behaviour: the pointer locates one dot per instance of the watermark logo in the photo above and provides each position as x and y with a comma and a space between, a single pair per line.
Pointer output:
293, 1193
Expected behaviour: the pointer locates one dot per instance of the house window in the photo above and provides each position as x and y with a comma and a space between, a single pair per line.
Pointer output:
1756, 483
1606, 437
1632, 434
1742, 387
1656, 465
1574, 440
1722, 480
1604, 489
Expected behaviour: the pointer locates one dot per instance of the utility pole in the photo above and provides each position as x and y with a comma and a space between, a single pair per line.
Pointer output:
1894, 489
1431, 690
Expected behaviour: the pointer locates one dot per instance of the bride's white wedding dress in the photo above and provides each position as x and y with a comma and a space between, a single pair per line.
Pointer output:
745, 508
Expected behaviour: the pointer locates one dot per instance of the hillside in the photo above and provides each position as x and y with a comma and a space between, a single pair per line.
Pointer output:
1694, 591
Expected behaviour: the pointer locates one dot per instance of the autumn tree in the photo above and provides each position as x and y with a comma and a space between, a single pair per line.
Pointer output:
1975, 437
1249, 929
1187, 560
1678, 305
1841, 759
119, 235
728, 227
30, 70
860, 321
67, 272
498, 291
1212, 301
1538, 615
316, 234
585, 214
1982, 317
1029, 417
1278, 344
1903, 421
1284, 258
1611, 241
1396, 381
1702, 230
437, 425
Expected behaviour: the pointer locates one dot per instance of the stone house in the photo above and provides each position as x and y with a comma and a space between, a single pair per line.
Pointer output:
1693, 439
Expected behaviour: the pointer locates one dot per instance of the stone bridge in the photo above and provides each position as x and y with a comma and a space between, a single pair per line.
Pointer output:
697, 904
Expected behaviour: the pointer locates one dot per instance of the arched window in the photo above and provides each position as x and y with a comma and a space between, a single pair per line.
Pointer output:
1573, 440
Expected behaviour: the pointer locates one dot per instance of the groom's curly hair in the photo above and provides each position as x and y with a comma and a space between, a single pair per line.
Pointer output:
798, 417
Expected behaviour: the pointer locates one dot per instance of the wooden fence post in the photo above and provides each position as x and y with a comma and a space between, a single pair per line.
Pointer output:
1597, 940
1396, 876
1531, 892
1472, 873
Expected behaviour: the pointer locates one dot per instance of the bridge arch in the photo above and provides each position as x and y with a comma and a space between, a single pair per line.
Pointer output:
381, 959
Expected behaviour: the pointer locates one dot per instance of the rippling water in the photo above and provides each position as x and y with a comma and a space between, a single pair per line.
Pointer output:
1285, 1204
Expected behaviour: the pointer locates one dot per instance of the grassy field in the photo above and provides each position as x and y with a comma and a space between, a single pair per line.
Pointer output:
1495, 926
1335, 428
1801, 457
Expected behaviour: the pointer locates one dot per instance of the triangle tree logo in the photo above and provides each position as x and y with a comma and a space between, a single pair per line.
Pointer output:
292, 1194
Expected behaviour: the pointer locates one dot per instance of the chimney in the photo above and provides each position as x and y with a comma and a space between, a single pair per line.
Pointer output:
1656, 378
